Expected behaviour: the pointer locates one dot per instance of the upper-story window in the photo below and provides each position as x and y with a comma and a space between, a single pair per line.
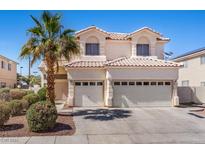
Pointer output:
92, 49
2, 64
9, 67
143, 48
202, 59
92, 46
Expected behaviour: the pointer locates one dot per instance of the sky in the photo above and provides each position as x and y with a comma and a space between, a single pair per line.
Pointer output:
186, 29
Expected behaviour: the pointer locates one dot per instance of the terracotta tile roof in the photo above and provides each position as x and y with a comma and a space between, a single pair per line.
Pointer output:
86, 63
124, 62
117, 36
91, 27
143, 28
123, 36
141, 62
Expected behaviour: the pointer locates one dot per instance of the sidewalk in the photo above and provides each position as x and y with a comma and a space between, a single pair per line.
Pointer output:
75, 139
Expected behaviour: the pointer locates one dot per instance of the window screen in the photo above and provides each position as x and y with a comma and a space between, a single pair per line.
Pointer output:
142, 49
92, 49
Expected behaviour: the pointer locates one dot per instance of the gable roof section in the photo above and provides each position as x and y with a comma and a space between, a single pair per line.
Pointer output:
190, 54
3, 57
86, 64
90, 28
123, 62
141, 62
122, 36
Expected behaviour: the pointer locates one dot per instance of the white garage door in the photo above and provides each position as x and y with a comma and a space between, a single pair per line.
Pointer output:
135, 93
89, 93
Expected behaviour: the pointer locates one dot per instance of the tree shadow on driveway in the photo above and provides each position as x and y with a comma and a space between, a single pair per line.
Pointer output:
103, 114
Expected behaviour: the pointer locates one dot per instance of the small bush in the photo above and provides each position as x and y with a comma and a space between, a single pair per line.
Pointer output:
17, 93
29, 92
42, 94
31, 98
16, 107
4, 113
5, 96
25, 104
4, 90
41, 116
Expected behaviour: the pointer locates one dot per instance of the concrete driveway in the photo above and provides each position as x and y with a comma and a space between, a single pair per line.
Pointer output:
139, 125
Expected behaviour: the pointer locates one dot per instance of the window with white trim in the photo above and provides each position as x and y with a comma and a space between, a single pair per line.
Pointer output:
92, 49
160, 83
78, 83
2, 64
153, 83
92, 83
131, 83
9, 67
116, 83
124, 83
143, 50
146, 83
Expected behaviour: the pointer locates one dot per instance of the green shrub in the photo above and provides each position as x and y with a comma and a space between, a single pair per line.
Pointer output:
25, 104
31, 98
4, 113
42, 94
17, 93
41, 116
5, 96
16, 107
4, 90
29, 92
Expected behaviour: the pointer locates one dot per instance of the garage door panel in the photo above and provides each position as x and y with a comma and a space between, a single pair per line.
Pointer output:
133, 96
89, 95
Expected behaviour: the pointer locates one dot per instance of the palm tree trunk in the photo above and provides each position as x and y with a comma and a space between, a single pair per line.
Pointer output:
50, 79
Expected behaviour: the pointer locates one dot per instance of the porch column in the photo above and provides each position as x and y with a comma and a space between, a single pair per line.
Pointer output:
109, 91
175, 98
70, 99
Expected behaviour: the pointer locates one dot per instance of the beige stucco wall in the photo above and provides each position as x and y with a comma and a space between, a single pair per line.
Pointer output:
194, 73
86, 74
115, 49
118, 48
144, 73
9, 77
144, 37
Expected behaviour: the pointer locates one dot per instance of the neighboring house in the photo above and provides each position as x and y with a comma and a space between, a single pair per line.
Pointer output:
118, 70
193, 71
8, 73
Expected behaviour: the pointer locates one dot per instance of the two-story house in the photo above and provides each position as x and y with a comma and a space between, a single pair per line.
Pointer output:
192, 72
118, 70
8, 75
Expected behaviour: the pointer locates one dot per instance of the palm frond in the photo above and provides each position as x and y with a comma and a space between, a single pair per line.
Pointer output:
67, 32
36, 21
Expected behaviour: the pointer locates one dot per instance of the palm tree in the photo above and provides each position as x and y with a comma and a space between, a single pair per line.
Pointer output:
50, 42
